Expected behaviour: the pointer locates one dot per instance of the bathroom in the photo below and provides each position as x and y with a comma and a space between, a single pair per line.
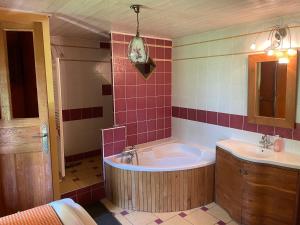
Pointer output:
182, 112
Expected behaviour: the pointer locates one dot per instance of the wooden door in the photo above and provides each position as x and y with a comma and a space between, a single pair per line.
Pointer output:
270, 195
228, 183
25, 162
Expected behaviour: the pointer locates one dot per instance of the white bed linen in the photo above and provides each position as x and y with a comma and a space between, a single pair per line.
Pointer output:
71, 213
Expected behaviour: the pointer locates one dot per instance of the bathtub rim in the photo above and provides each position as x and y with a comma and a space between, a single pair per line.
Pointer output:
131, 167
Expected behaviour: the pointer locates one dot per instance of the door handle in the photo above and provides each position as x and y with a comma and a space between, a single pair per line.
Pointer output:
40, 135
44, 136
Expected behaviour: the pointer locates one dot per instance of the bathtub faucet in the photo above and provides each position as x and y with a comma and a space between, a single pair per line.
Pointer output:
130, 154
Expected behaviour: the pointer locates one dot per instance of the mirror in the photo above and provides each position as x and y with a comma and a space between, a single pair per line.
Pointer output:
272, 91
146, 69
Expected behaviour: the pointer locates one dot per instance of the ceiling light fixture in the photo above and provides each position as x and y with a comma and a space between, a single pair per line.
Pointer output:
138, 51
274, 44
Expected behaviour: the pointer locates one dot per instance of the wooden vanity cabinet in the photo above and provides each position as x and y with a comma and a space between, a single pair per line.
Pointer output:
265, 195
228, 183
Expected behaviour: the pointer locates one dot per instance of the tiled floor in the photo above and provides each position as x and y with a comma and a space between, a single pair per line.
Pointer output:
81, 174
211, 214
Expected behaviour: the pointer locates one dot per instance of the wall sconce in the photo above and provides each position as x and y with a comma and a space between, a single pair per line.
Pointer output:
274, 44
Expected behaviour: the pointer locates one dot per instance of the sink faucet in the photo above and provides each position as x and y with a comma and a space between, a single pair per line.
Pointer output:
265, 141
130, 154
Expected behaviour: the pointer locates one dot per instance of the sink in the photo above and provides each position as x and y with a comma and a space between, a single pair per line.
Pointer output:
257, 152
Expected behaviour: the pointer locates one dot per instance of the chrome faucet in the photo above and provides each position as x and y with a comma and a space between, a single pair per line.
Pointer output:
130, 154
265, 142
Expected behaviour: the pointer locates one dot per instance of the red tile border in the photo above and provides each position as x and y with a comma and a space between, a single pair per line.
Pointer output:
234, 121
212, 117
265, 129
84, 155
223, 119
82, 113
106, 89
87, 195
105, 45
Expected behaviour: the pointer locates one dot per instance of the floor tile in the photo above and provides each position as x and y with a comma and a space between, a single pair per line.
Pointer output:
177, 220
210, 205
82, 174
68, 186
139, 218
166, 216
232, 223
199, 217
122, 220
219, 213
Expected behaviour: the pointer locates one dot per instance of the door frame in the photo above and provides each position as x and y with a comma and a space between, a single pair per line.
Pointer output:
22, 17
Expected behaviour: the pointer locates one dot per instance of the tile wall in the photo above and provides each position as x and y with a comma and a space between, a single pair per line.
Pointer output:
113, 140
142, 106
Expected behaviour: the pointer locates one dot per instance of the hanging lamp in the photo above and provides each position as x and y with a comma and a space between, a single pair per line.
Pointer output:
138, 51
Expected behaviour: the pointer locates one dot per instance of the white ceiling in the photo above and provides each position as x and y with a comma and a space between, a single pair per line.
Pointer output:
164, 18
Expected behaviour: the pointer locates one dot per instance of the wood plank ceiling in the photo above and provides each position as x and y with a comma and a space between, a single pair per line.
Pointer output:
165, 18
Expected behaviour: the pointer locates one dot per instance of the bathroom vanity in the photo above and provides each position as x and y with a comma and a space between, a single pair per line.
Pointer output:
257, 188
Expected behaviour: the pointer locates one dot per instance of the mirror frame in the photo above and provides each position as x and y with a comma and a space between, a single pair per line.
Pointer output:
291, 92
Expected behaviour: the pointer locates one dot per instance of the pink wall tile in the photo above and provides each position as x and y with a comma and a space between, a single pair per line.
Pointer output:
192, 114
108, 136
266, 129
249, 126
212, 117
201, 116
236, 121
296, 132
113, 140
223, 119
284, 132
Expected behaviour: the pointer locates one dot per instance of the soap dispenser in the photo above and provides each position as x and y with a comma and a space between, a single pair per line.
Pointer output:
278, 144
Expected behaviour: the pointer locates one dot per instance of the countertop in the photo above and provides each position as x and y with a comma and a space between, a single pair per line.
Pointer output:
250, 152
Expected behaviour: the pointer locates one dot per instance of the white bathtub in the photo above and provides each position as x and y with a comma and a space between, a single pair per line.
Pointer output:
166, 157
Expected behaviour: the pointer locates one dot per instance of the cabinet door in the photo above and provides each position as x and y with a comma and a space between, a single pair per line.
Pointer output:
228, 184
270, 195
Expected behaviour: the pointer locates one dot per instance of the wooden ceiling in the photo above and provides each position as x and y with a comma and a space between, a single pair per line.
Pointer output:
164, 18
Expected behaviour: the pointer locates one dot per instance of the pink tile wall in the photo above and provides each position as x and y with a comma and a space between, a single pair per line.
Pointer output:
142, 106
113, 140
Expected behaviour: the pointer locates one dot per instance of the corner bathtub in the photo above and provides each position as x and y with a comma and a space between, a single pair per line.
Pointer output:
169, 177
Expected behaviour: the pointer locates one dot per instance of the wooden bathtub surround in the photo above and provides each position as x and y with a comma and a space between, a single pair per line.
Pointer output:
160, 191
256, 194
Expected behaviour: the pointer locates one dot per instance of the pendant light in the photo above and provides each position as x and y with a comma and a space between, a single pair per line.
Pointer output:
138, 51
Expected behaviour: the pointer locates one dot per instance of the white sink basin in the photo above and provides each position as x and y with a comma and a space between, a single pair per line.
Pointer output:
257, 152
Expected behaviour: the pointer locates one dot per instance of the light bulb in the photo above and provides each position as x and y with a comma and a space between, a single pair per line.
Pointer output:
279, 53
291, 52
253, 46
267, 43
283, 60
270, 53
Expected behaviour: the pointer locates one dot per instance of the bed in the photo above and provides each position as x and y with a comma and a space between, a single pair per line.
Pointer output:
61, 212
